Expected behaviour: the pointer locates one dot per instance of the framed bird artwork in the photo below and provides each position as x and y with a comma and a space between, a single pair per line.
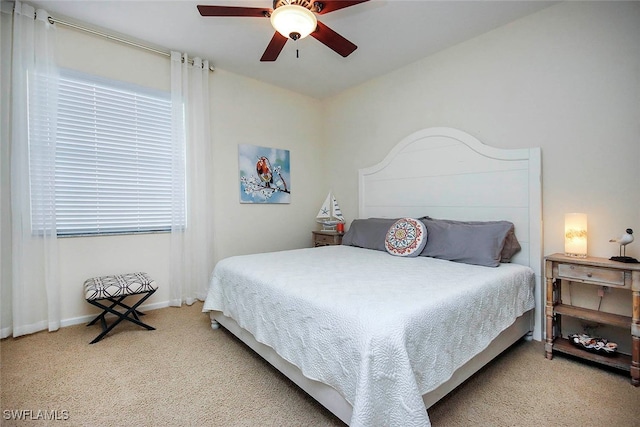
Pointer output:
264, 174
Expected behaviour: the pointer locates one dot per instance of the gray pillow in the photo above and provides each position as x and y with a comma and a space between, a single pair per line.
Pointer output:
368, 233
511, 244
470, 242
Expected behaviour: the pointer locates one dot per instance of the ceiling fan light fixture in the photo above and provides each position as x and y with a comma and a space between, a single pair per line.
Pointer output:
294, 21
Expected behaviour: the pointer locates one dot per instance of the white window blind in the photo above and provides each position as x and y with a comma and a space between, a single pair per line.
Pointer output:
113, 157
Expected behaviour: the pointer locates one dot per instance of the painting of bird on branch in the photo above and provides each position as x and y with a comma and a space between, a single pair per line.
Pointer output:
264, 174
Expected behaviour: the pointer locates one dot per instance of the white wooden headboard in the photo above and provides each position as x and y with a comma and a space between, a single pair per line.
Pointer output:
447, 173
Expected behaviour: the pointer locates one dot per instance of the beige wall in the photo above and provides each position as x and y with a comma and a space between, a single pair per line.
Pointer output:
564, 79
244, 111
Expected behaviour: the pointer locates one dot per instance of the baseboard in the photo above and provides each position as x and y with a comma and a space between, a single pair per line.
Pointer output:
89, 317
5, 332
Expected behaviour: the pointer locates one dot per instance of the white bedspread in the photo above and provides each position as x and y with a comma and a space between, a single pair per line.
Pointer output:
380, 329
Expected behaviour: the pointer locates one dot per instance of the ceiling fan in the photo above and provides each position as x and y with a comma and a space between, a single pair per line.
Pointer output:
294, 19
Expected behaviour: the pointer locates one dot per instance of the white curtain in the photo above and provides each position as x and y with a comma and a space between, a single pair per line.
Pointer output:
191, 256
34, 279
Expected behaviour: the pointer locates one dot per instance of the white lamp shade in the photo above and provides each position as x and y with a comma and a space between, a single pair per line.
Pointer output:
575, 235
293, 19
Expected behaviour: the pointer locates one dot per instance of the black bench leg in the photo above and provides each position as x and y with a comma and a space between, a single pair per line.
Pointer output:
101, 316
132, 311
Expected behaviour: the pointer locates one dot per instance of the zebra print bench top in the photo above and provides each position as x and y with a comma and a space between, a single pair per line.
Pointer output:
118, 285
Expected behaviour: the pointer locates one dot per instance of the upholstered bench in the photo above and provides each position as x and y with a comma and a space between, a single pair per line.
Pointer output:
114, 289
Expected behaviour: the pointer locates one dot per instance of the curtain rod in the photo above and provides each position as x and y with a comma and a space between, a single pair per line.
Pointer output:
53, 20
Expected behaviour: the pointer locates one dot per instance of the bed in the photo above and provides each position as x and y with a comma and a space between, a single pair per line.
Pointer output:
377, 339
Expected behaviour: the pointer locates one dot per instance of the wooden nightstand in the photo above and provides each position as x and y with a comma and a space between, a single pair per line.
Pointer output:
597, 272
327, 238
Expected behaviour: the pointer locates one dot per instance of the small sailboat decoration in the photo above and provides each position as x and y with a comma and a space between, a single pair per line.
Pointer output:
329, 214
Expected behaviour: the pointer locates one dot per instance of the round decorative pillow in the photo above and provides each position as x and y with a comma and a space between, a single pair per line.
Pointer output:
406, 237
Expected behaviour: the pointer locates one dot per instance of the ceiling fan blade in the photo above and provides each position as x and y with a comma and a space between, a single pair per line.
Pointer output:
333, 40
254, 12
274, 48
331, 5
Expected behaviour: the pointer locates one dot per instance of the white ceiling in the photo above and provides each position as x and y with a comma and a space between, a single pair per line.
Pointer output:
389, 34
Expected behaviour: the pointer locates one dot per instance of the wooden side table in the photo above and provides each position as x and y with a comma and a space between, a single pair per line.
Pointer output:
597, 272
326, 238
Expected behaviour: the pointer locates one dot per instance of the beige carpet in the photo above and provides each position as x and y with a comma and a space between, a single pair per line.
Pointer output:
185, 374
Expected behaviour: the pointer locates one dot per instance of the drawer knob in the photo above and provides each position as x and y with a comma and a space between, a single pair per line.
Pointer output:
589, 274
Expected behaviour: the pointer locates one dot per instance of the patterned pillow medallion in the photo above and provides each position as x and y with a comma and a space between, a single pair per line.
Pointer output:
406, 237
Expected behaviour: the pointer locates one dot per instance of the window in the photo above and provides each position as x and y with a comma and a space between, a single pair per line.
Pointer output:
113, 167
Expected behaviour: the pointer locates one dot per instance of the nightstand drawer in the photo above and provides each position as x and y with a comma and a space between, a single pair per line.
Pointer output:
583, 273
327, 240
